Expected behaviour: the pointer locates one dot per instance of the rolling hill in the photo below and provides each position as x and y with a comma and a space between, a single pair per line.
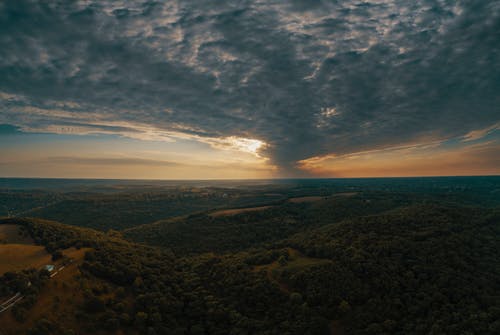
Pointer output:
419, 269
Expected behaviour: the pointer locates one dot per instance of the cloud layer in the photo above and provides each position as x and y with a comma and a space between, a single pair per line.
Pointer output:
307, 78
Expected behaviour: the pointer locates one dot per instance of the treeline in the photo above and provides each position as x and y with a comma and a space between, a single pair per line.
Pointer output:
123, 206
121, 210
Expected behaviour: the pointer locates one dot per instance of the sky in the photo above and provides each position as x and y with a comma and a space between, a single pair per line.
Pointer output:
249, 89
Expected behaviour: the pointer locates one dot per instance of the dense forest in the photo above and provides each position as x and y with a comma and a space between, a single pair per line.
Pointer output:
372, 262
251, 229
414, 270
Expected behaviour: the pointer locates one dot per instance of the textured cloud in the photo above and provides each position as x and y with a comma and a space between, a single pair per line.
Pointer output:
307, 78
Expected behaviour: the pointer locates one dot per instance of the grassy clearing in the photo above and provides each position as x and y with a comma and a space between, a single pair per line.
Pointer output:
234, 211
306, 199
17, 257
296, 261
18, 252
11, 233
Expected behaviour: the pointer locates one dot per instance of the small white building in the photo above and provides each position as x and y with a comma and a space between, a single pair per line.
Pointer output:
49, 267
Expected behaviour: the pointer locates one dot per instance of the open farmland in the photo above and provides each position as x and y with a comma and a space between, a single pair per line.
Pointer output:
17, 257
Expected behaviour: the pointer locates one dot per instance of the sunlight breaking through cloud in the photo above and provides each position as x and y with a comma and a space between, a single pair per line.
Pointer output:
281, 81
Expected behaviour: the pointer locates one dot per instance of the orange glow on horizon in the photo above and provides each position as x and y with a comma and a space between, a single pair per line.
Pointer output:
407, 162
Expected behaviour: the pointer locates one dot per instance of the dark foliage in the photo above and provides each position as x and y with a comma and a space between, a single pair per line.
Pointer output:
420, 270
377, 262
252, 229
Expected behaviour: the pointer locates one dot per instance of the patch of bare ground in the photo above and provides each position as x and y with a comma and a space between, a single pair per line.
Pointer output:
234, 211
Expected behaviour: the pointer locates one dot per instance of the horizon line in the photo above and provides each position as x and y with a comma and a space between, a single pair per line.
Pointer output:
253, 179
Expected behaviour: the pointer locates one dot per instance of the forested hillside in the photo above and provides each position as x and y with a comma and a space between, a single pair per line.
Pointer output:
124, 208
420, 269
123, 205
204, 232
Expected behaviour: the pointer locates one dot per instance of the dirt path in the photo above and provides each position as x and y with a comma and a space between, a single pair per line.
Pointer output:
10, 302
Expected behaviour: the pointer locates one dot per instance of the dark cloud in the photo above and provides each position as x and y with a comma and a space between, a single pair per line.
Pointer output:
307, 77
6, 129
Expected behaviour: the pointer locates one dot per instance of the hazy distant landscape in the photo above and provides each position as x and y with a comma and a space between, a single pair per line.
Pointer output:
303, 256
